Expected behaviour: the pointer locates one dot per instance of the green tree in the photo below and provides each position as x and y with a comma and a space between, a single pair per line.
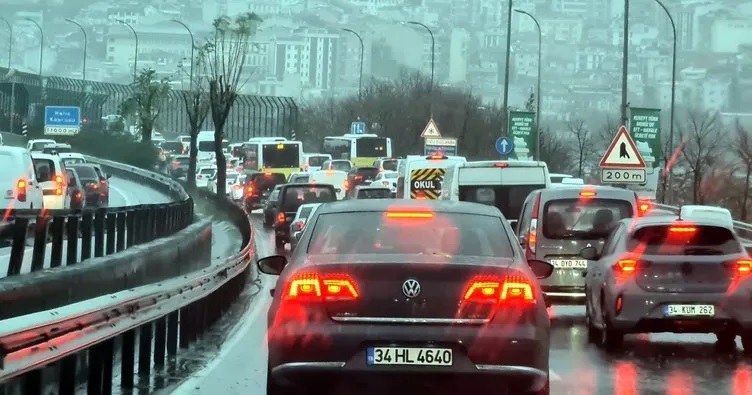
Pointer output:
196, 100
225, 56
145, 101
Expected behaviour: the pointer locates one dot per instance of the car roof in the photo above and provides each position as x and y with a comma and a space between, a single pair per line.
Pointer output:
382, 205
40, 155
573, 192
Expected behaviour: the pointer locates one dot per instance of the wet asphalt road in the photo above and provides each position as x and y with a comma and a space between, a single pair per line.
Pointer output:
660, 364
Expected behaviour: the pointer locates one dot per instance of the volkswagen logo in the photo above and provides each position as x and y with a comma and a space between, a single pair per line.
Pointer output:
411, 288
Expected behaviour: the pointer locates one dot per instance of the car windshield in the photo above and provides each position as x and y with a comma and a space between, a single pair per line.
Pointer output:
45, 169
684, 240
86, 172
341, 165
38, 146
390, 164
507, 198
367, 172
300, 178
72, 161
295, 196
583, 218
172, 146
391, 233
207, 171
317, 161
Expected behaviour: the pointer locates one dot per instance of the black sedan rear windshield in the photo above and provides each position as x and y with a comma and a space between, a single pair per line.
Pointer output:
395, 233
684, 240
298, 195
369, 172
86, 172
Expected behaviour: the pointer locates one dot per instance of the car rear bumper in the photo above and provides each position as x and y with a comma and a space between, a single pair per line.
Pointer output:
54, 202
563, 295
644, 311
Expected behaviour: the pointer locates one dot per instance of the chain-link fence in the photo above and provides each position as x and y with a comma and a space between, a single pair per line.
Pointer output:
250, 116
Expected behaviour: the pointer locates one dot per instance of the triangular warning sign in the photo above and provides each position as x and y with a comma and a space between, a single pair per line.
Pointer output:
431, 130
622, 153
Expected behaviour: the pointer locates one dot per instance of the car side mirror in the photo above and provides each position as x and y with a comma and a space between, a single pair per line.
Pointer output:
272, 265
589, 253
541, 269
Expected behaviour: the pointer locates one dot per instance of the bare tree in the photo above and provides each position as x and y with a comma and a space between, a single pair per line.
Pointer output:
196, 101
702, 148
146, 101
555, 152
743, 150
226, 52
584, 140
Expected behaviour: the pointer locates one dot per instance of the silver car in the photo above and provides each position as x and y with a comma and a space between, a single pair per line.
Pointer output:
297, 225
556, 224
668, 274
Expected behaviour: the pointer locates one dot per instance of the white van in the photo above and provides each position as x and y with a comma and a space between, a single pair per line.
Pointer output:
19, 180
335, 178
313, 162
37, 145
205, 145
422, 177
504, 184
53, 180
71, 158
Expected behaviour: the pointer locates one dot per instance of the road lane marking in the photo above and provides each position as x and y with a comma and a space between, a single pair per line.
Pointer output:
119, 191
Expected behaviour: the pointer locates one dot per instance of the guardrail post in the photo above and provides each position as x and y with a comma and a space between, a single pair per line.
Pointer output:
130, 227
86, 225
58, 230
71, 230
144, 350
160, 337
108, 353
111, 226
32, 383
67, 381
141, 225
172, 333
151, 227
127, 359
39, 252
120, 233
95, 368
99, 232
159, 220
187, 325
18, 246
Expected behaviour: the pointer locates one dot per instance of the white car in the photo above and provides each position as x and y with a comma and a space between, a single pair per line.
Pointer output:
71, 158
203, 175
387, 178
53, 180
37, 145
230, 180
336, 178
19, 180
237, 189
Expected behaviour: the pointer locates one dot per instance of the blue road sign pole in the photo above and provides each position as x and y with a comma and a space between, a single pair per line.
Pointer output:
504, 146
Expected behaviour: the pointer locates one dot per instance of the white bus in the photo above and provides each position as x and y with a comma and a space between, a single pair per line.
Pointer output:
421, 177
361, 149
205, 145
272, 156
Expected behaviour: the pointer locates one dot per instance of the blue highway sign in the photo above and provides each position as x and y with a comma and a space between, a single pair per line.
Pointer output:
504, 145
358, 128
62, 121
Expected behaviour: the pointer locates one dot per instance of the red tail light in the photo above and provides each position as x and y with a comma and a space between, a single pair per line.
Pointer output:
501, 164
199, 177
77, 196
92, 185
626, 266
59, 179
59, 188
310, 287
281, 218
744, 266
682, 229
21, 190
587, 194
249, 191
514, 288
347, 185
175, 164
532, 234
404, 214
643, 207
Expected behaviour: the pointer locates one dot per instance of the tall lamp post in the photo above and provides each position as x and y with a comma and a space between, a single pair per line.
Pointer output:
433, 59
135, 54
506, 67
83, 32
10, 39
193, 46
360, 75
41, 43
538, 88
673, 93
625, 65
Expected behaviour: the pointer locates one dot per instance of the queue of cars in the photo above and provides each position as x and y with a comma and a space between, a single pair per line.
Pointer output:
454, 277
46, 174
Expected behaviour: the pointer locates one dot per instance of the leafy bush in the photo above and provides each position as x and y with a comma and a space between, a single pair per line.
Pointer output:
119, 147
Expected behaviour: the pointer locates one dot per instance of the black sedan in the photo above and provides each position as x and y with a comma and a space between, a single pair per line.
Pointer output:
367, 306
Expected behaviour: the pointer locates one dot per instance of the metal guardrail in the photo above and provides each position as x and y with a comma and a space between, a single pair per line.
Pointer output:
161, 318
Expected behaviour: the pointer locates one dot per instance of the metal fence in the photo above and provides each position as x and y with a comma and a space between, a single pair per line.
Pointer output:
250, 116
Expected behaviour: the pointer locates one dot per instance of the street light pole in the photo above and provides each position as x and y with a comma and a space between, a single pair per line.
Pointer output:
135, 55
360, 75
673, 94
506, 68
10, 40
193, 46
625, 65
41, 44
83, 31
538, 89
433, 59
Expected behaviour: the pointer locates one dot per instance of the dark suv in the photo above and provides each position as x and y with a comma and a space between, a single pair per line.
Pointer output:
291, 196
360, 176
258, 186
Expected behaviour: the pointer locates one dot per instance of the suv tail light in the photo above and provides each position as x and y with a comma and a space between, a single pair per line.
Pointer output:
744, 266
311, 287
281, 218
626, 266
532, 234
21, 190
250, 190
510, 289
59, 187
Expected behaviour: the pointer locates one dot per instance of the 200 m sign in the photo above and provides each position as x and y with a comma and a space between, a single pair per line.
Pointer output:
623, 176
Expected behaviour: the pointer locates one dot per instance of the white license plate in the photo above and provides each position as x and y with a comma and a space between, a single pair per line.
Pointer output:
409, 356
569, 263
689, 310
